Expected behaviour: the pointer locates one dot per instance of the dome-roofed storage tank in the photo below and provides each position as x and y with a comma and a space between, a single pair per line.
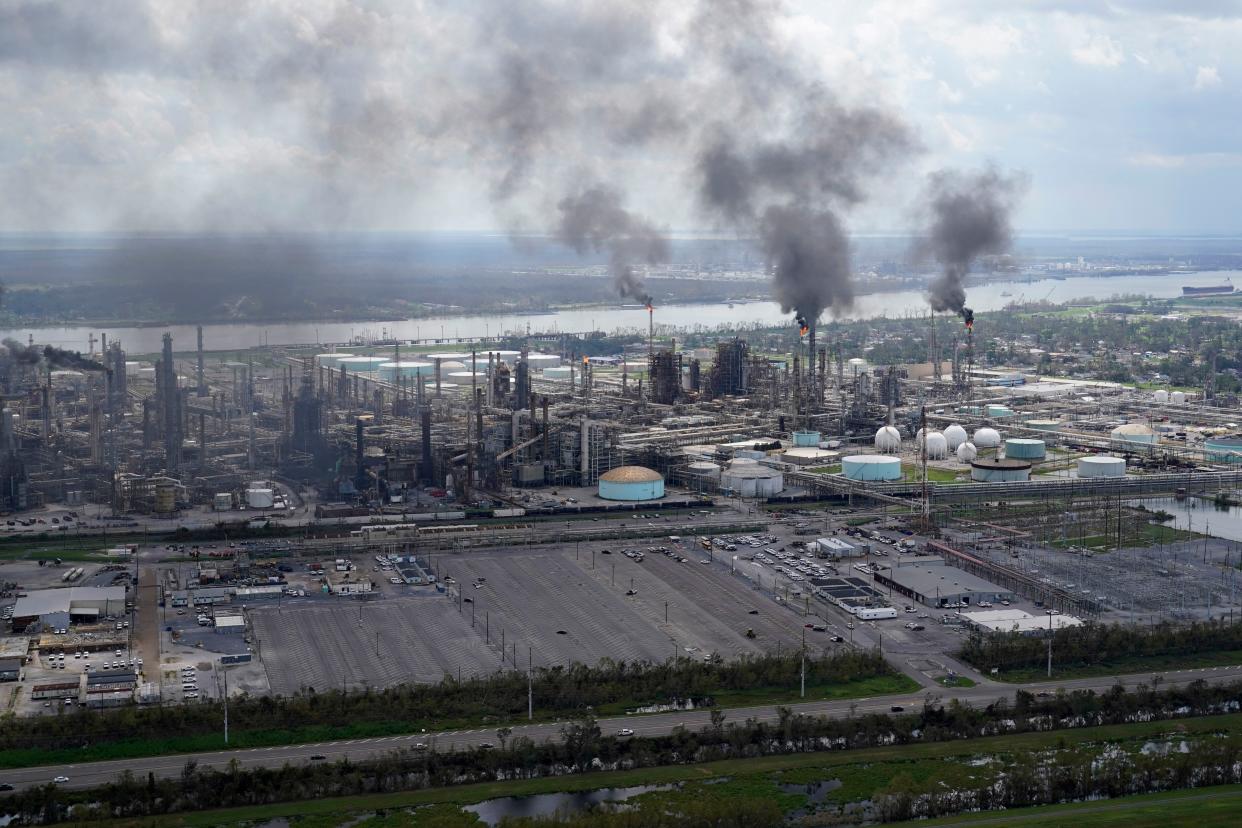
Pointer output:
871, 467
955, 435
1101, 466
703, 469
1022, 448
967, 452
999, 470
1161, 396
631, 483
1178, 397
1134, 433
888, 438
986, 438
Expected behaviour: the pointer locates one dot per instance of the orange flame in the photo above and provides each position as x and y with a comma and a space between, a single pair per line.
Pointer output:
585, 360
804, 330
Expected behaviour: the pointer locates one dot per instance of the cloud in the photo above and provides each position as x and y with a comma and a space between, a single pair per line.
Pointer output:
1206, 77
958, 139
1099, 50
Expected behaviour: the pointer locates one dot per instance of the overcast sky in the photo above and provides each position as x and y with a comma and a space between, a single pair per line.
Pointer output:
327, 114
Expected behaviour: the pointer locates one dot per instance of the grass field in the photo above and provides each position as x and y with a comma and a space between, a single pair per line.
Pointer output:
1144, 534
1138, 664
1219, 807
860, 771
243, 739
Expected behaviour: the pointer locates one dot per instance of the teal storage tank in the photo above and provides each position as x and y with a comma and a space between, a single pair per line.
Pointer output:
1022, 448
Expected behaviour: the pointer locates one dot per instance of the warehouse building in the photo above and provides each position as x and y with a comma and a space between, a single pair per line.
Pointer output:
938, 585
1013, 620
79, 604
10, 669
59, 690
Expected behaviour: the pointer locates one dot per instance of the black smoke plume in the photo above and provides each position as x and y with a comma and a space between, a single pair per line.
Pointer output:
810, 260
595, 220
22, 354
968, 216
60, 358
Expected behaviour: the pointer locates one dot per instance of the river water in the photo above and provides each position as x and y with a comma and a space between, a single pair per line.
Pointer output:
1200, 515
701, 316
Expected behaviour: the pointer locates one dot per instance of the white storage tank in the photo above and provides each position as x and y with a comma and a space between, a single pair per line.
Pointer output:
703, 469
999, 470
871, 467
1101, 466
1134, 433
1022, 448
360, 364
937, 446
464, 377
1178, 398
1043, 425
561, 372
331, 360
391, 370
260, 498
955, 435
987, 438
1162, 396
542, 362
748, 478
967, 452
888, 438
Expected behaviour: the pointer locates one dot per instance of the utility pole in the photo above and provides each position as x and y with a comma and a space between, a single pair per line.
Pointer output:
226, 704
530, 686
1049, 645
802, 692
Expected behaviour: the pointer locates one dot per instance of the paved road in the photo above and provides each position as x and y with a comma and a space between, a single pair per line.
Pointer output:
98, 773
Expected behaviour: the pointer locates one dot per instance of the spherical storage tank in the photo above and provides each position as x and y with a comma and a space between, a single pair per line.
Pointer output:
937, 445
871, 467
986, 438
1021, 448
1101, 466
391, 370
967, 452
1134, 433
631, 483
888, 438
999, 470
956, 435
749, 478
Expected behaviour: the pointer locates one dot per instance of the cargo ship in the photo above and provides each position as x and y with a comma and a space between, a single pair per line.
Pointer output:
1213, 290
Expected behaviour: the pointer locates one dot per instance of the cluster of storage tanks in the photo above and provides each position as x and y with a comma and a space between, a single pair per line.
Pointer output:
1013, 461
1175, 397
459, 369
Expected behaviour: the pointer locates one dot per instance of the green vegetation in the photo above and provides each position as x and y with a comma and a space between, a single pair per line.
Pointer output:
862, 773
1138, 534
490, 701
1105, 650
955, 681
934, 475
1215, 807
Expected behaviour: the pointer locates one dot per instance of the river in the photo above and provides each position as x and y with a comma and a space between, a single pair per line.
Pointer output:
703, 316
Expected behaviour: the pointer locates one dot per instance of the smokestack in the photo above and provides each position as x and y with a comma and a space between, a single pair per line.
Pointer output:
437, 376
424, 416
202, 379
360, 478
650, 329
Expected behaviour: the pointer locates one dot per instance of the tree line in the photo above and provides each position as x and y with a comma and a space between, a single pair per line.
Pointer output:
583, 748
1096, 644
495, 698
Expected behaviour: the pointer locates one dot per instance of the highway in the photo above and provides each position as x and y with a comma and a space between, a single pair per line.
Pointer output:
91, 774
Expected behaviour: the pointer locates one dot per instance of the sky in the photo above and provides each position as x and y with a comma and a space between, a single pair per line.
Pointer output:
430, 115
